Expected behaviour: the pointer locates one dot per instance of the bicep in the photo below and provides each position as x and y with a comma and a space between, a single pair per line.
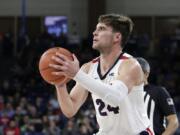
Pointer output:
171, 117
173, 121
130, 73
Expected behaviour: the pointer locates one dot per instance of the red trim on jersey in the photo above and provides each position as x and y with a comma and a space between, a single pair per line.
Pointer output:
124, 57
149, 131
95, 60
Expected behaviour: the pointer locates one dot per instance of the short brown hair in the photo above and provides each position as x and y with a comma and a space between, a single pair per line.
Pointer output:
119, 23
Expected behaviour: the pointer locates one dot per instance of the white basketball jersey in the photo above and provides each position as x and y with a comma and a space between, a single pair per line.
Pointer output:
130, 117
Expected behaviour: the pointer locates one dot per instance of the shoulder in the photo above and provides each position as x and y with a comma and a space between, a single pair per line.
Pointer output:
157, 90
131, 65
128, 59
86, 66
130, 72
126, 56
152, 87
153, 90
164, 91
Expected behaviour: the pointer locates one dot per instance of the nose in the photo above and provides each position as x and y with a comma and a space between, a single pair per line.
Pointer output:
94, 33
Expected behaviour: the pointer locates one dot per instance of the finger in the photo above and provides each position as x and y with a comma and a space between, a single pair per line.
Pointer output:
59, 73
57, 67
63, 57
58, 60
74, 57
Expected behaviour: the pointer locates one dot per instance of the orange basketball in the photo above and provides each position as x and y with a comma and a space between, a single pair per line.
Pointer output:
46, 71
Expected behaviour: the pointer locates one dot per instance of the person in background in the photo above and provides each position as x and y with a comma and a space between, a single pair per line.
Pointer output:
160, 106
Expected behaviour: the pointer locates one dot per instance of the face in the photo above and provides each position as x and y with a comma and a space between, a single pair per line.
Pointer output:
146, 75
104, 37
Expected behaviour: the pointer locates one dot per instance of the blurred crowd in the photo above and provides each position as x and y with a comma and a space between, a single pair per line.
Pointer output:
28, 105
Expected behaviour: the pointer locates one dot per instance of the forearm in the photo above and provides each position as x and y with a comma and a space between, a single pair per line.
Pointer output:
65, 102
112, 94
170, 130
171, 127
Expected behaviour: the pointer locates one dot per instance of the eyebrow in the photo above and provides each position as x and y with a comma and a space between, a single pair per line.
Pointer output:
102, 27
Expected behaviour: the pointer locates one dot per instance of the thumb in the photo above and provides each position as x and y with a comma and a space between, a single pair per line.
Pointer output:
74, 57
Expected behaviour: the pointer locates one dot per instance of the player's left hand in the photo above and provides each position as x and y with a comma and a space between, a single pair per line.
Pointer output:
65, 66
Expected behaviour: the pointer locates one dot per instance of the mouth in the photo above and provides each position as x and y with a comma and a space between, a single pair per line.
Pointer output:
95, 40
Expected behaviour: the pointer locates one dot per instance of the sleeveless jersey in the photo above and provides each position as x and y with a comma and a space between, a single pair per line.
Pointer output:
130, 117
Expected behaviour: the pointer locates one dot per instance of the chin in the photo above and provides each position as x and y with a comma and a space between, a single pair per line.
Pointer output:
94, 46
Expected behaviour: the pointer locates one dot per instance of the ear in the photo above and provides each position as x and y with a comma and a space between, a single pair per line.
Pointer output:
117, 37
146, 74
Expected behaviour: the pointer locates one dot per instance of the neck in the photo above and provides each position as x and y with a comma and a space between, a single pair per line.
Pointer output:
108, 59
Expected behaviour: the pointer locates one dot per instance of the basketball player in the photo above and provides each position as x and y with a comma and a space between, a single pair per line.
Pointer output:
159, 104
114, 80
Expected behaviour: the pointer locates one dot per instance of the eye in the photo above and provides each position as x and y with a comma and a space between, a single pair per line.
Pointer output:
101, 28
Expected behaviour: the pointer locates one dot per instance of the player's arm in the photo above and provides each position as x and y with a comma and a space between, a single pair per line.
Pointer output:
172, 125
71, 102
130, 74
166, 105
